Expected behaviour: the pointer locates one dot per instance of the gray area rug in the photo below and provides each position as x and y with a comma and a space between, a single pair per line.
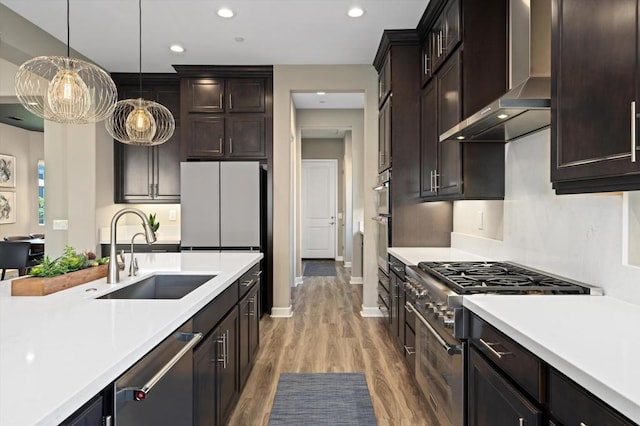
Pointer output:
322, 399
320, 269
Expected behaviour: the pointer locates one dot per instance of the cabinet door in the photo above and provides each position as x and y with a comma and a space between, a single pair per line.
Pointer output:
243, 339
384, 80
436, 39
240, 203
227, 366
246, 137
451, 27
245, 95
493, 400
254, 322
428, 140
204, 381
427, 61
88, 415
395, 299
205, 95
384, 137
169, 97
206, 136
133, 173
449, 111
591, 95
167, 169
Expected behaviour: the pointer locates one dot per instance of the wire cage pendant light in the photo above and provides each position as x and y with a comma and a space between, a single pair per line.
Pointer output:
65, 89
140, 121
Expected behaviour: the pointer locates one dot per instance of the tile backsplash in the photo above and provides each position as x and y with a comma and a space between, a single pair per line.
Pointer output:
585, 237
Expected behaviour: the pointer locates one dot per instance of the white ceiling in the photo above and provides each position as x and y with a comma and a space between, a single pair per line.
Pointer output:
330, 100
274, 31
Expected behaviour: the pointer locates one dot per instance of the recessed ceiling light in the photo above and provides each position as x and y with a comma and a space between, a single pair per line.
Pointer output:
355, 12
460, 137
225, 12
320, 93
176, 48
322, 102
502, 116
239, 39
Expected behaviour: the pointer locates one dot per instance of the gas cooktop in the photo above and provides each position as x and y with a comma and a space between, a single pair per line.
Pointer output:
499, 277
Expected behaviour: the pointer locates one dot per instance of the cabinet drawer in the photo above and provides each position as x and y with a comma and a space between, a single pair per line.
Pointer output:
516, 362
210, 315
571, 404
383, 280
247, 281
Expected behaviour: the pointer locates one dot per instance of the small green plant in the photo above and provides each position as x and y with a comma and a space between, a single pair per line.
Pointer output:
69, 261
152, 221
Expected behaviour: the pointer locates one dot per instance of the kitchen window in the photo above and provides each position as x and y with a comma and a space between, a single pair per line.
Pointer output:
41, 192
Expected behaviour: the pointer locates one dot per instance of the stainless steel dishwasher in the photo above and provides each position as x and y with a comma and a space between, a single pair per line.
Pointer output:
158, 389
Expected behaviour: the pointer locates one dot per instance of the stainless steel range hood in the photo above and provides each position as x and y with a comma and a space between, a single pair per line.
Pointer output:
525, 108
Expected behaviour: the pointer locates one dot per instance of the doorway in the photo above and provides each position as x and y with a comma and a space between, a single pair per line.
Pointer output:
319, 209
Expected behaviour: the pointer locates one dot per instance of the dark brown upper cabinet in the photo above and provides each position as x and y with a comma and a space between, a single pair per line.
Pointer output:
149, 174
228, 112
593, 142
384, 137
384, 81
464, 67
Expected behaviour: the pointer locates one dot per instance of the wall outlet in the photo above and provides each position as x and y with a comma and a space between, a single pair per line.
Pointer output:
172, 214
480, 220
60, 224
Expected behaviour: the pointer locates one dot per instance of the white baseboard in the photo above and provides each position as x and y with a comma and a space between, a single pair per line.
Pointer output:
282, 312
347, 264
356, 280
298, 281
339, 258
370, 312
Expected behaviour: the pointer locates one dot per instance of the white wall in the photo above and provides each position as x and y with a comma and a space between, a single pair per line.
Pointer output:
348, 78
578, 236
27, 147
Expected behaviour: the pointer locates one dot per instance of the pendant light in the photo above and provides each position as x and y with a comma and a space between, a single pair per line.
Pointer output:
139, 121
65, 89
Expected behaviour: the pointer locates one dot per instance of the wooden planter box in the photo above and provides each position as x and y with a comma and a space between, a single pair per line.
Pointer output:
41, 286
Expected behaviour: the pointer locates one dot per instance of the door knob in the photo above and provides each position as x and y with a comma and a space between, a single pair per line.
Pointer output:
331, 223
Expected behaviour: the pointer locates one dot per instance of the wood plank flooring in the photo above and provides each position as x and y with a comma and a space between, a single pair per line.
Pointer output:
327, 334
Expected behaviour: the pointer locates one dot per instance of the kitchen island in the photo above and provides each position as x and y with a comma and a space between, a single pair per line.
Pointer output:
58, 351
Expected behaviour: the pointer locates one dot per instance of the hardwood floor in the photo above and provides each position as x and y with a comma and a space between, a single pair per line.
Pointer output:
327, 334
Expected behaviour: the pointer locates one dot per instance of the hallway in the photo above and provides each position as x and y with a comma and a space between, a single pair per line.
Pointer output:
327, 334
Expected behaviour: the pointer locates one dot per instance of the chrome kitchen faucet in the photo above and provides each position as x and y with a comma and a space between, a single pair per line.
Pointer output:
113, 274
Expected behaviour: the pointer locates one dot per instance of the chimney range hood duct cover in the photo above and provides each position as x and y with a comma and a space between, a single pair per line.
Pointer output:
526, 107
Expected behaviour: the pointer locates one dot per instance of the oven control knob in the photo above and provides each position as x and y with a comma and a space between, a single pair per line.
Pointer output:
448, 321
422, 293
436, 307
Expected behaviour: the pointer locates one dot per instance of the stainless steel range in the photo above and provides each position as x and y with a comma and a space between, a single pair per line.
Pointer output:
434, 292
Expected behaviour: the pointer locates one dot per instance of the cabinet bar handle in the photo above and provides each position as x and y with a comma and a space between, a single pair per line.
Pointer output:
151, 190
490, 345
408, 308
520, 421
426, 64
230, 145
230, 101
633, 131
257, 274
409, 351
583, 424
221, 100
247, 283
219, 145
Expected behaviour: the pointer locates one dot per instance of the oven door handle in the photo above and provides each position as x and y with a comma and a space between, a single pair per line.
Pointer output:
451, 350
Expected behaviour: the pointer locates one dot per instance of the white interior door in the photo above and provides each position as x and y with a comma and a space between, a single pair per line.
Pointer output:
319, 191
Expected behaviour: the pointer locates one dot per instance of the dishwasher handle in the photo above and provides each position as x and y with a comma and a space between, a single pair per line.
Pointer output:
140, 393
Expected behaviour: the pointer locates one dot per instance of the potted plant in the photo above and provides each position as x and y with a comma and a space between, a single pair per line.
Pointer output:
154, 225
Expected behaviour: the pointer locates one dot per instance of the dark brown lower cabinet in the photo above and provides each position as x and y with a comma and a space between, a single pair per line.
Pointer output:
248, 336
493, 400
570, 404
89, 415
215, 373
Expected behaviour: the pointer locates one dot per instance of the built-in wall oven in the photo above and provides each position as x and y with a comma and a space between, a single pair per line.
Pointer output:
383, 219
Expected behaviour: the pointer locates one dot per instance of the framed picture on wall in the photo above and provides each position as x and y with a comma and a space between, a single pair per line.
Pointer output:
7, 171
7, 207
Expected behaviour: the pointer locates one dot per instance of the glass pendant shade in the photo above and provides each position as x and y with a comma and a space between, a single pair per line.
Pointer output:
65, 90
140, 122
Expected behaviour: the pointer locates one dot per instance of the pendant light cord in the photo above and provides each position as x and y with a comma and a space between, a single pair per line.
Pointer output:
140, 40
68, 32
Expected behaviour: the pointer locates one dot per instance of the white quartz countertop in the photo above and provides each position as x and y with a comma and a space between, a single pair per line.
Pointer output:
58, 351
594, 340
413, 255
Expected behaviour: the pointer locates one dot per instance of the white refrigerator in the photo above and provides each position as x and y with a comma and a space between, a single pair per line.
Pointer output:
220, 205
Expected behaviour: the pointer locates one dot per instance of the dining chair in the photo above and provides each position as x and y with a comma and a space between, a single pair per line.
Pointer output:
14, 255
36, 253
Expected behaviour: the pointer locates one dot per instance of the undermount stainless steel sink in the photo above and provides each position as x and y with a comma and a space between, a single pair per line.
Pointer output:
160, 287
